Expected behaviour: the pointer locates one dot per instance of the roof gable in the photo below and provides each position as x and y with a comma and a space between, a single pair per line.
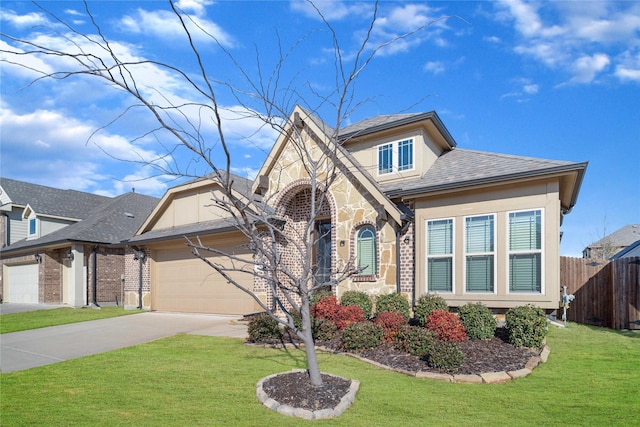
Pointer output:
621, 237
48, 201
324, 134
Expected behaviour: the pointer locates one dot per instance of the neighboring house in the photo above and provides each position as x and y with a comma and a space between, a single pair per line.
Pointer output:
613, 243
65, 246
633, 250
471, 226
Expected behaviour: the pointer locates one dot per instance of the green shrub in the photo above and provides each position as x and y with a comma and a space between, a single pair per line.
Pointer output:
324, 330
362, 335
263, 328
415, 340
445, 355
392, 302
446, 325
526, 326
318, 295
391, 323
358, 298
425, 305
478, 321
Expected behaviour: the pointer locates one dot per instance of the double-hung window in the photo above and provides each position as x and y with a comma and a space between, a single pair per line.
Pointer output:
525, 251
480, 253
366, 244
395, 156
440, 255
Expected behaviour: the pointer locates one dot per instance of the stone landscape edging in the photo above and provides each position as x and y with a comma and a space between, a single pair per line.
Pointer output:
345, 402
483, 378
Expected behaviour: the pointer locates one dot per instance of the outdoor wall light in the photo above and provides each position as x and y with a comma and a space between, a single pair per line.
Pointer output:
407, 239
38, 258
341, 243
69, 255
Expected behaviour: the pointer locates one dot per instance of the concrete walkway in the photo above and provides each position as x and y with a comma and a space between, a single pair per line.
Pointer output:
38, 347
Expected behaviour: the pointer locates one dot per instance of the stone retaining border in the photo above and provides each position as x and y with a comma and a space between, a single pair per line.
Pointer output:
345, 402
484, 378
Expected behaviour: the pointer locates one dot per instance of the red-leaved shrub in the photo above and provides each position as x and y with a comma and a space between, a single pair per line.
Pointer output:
326, 308
348, 315
446, 325
391, 322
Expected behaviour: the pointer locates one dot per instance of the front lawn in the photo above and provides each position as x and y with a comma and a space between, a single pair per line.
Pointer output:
591, 378
16, 322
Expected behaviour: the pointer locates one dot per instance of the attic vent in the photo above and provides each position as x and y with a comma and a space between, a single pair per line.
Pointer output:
129, 215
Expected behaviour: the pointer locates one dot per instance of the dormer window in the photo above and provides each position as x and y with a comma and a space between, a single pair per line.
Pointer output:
395, 156
33, 227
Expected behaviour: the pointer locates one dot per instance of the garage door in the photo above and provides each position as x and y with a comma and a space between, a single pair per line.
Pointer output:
181, 282
22, 284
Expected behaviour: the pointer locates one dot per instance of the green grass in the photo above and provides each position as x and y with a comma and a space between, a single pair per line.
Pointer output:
591, 378
16, 322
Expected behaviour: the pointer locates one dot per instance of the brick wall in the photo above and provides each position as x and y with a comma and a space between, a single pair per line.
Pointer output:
110, 268
50, 289
407, 261
132, 280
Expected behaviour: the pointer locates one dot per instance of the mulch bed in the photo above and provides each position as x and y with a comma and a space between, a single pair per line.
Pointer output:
480, 356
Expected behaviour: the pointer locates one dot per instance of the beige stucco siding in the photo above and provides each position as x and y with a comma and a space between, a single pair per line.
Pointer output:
183, 283
499, 201
425, 154
191, 207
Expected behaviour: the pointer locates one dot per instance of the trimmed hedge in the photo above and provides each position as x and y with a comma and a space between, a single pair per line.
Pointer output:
358, 298
415, 340
263, 327
425, 305
445, 355
446, 325
361, 336
478, 321
526, 326
391, 323
392, 302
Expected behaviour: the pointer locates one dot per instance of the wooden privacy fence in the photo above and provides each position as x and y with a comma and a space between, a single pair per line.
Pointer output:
607, 293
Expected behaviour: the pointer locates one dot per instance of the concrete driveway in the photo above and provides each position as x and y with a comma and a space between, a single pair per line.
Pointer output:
38, 347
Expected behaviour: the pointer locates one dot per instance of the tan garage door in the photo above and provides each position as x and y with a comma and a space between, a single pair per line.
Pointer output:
181, 282
22, 284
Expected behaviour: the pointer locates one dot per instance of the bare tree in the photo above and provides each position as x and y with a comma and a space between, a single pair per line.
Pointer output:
282, 261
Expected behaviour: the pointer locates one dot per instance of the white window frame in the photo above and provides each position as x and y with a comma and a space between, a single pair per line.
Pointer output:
452, 255
395, 157
541, 251
494, 291
375, 250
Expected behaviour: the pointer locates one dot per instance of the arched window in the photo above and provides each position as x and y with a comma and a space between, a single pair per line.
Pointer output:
366, 244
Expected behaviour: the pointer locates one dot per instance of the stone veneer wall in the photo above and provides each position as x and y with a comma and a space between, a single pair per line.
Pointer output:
132, 280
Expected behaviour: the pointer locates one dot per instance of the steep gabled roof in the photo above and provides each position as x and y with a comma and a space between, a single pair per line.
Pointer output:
50, 201
242, 188
461, 168
112, 222
324, 133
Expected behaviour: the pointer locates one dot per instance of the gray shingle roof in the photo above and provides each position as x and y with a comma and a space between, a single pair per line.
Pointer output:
114, 221
621, 237
218, 225
633, 250
461, 167
51, 201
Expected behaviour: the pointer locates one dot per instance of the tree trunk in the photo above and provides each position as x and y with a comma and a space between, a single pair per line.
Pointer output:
306, 334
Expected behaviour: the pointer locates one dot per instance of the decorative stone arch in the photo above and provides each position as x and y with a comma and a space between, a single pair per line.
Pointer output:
353, 250
291, 205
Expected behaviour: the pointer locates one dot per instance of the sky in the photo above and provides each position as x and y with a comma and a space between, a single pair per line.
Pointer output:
553, 80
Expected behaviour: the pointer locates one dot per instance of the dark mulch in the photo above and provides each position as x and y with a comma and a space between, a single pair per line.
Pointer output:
480, 356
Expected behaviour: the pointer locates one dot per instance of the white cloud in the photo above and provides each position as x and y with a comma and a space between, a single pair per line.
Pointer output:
22, 21
628, 67
331, 10
580, 38
531, 89
586, 68
435, 67
166, 25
